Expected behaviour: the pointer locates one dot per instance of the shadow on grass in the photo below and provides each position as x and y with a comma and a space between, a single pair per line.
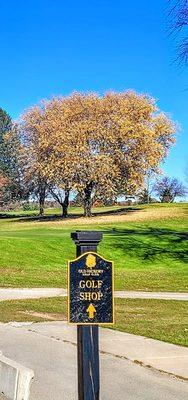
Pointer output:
151, 243
58, 217
16, 216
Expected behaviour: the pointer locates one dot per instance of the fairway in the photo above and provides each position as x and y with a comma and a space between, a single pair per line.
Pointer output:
147, 243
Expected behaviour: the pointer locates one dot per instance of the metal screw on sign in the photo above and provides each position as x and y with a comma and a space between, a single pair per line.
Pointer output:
90, 298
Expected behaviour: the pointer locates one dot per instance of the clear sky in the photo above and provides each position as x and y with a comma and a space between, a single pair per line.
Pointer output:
52, 47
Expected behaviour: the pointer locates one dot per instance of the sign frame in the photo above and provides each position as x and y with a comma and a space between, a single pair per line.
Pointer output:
68, 291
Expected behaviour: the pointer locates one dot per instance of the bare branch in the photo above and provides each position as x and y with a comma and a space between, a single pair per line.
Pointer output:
178, 16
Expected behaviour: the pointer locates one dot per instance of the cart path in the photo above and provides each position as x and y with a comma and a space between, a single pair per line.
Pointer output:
50, 350
151, 295
36, 293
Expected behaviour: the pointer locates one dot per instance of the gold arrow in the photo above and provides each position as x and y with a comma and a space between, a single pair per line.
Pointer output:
91, 310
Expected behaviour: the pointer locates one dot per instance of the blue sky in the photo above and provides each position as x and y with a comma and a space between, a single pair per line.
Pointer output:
52, 47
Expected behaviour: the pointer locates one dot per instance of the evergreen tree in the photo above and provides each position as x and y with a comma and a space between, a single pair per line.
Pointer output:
5, 126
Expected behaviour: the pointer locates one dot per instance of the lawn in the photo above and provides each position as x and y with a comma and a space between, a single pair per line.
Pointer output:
148, 244
158, 319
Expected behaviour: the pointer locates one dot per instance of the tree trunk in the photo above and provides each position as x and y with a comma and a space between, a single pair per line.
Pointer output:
41, 207
65, 204
42, 195
87, 199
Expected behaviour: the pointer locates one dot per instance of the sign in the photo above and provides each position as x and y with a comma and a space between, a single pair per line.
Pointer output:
90, 290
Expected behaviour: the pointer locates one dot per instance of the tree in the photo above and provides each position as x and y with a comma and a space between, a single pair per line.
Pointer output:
169, 188
40, 189
139, 137
3, 189
5, 126
122, 137
178, 25
49, 148
144, 196
76, 141
5, 123
12, 162
96, 144
61, 196
58, 138
9, 150
14, 158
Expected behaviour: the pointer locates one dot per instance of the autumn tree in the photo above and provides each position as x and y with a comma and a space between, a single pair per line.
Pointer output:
137, 136
96, 145
82, 163
39, 128
169, 188
29, 130
114, 141
62, 140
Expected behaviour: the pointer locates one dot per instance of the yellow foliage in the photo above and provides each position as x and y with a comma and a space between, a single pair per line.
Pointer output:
95, 143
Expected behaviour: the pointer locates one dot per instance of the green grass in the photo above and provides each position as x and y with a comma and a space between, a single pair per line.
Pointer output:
17, 310
165, 320
158, 319
149, 254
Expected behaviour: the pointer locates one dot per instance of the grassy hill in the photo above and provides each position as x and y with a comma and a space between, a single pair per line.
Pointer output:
147, 243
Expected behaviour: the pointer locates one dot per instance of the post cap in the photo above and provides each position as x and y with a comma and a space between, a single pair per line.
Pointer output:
86, 237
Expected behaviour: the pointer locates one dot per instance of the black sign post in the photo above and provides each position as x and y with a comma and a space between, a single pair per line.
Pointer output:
90, 303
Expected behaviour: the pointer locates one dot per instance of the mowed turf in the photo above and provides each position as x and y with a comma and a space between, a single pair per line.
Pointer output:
158, 319
148, 244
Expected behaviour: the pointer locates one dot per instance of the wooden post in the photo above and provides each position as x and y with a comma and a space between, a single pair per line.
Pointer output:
87, 336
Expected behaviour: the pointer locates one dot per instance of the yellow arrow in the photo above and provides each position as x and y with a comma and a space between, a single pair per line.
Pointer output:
91, 310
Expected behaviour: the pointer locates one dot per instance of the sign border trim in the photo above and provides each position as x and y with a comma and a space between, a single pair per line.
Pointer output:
68, 291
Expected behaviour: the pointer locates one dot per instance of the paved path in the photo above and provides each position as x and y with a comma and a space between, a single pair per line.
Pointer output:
50, 350
34, 293
9, 294
151, 295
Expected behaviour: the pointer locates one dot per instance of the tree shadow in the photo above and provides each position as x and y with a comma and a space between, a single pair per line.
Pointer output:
17, 216
151, 244
118, 211
58, 217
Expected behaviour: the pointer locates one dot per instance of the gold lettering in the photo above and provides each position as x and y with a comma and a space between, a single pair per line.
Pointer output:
88, 296
90, 284
91, 296
100, 295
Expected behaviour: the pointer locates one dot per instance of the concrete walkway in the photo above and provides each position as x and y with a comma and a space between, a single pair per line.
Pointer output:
50, 350
154, 353
151, 295
34, 293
